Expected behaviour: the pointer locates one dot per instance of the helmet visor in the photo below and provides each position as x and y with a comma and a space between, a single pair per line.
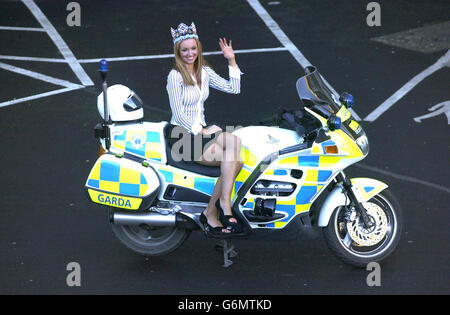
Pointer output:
132, 103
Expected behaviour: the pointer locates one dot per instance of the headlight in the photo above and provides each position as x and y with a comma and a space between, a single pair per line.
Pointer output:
363, 144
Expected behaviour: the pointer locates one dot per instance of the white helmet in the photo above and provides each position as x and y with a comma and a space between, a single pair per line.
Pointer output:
123, 103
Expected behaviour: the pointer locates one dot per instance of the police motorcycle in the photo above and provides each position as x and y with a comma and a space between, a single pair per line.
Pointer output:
292, 179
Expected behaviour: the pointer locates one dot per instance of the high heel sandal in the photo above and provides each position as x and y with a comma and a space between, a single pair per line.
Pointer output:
211, 231
226, 219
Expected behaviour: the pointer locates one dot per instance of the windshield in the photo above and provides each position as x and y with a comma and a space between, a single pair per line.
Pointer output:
316, 95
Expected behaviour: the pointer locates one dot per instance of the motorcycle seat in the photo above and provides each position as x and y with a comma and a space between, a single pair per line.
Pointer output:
211, 171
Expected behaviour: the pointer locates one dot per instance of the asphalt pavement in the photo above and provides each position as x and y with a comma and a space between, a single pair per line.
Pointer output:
47, 115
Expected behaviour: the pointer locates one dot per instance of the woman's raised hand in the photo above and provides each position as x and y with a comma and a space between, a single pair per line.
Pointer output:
227, 50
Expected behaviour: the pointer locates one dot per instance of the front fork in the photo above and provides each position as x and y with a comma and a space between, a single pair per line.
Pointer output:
347, 184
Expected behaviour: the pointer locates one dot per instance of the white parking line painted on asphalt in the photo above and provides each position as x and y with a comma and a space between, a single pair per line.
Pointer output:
19, 28
131, 58
33, 97
404, 178
278, 32
436, 110
39, 76
24, 58
59, 42
145, 57
442, 62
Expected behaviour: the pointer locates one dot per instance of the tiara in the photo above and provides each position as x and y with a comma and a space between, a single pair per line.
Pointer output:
183, 32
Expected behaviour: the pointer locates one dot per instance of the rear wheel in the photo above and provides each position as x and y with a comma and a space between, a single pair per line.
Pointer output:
150, 241
349, 240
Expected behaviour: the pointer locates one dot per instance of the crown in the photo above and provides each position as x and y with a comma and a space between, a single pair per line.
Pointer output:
183, 32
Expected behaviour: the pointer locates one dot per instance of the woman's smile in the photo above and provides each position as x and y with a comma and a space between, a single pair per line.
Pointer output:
188, 51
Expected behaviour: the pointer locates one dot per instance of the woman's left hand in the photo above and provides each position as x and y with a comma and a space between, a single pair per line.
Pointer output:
211, 129
227, 50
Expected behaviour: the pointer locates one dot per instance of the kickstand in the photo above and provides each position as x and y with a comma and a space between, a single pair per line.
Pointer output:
228, 251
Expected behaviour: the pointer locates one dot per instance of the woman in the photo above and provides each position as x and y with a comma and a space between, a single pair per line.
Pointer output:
188, 88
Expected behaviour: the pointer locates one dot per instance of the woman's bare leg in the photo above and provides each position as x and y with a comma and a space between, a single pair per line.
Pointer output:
212, 157
230, 166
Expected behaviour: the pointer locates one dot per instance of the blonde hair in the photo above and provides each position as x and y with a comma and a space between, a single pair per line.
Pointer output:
180, 66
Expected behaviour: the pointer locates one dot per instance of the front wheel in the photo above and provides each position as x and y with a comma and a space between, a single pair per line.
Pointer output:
150, 241
347, 238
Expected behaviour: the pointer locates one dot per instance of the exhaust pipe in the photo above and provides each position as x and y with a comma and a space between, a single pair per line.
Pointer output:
149, 218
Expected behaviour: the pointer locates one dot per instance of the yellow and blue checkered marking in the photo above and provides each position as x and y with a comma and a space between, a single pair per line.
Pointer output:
200, 183
310, 161
276, 172
317, 176
240, 180
110, 176
143, 143
301, 202
302, 160
203, 184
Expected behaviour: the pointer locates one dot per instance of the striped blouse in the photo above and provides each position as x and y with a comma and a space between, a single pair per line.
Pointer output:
186, 101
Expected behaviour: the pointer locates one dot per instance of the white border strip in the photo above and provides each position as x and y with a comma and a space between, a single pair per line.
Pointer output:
145, 57
29, 98
39, 76
404, 178
130, 58
15, 28
59, 42
442, 62
24, 58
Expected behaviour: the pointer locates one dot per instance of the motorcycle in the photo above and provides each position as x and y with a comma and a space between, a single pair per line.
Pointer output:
292, 179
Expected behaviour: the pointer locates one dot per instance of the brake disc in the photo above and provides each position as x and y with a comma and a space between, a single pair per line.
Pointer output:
373, 235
